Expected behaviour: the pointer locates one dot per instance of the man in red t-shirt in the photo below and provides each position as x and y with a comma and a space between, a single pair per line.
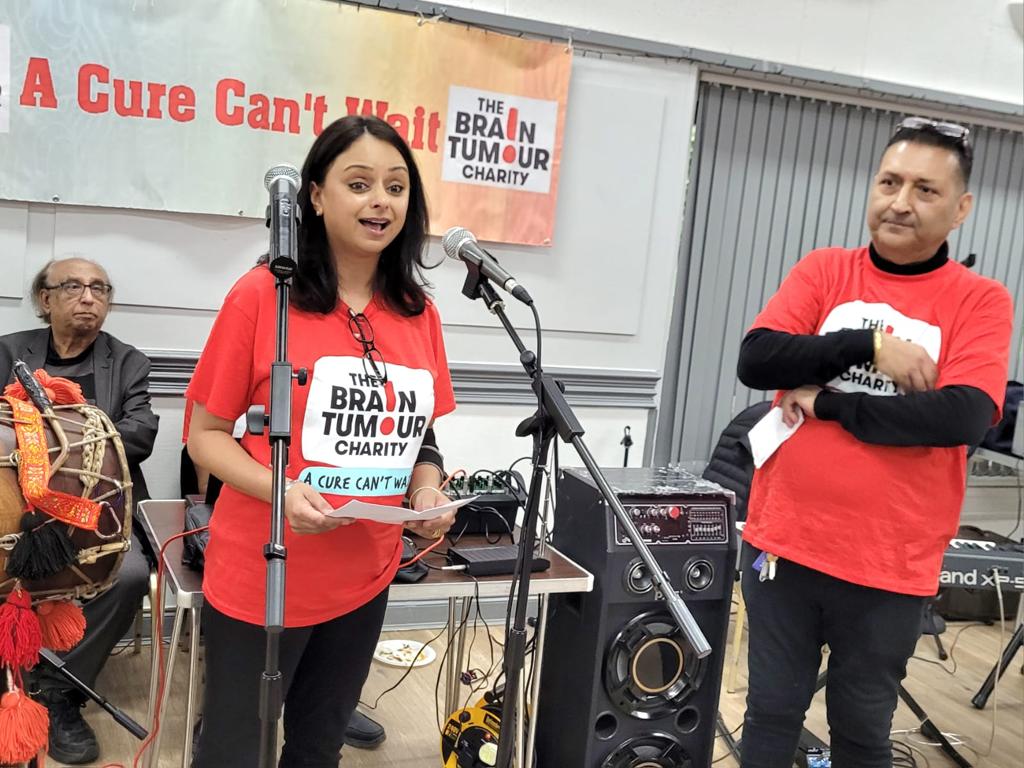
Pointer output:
895, 357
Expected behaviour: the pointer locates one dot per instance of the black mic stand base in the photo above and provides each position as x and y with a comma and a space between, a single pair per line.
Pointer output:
726, 735
1012, 648
58, 664
930, 731
980, 699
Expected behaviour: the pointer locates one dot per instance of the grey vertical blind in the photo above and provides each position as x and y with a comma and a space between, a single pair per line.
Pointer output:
772, 177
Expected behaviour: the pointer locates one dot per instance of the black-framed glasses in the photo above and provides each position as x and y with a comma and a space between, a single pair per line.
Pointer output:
362, 331
73, 289
953, 131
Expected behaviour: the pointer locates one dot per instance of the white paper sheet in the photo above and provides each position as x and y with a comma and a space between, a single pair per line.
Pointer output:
768, 434
383, 513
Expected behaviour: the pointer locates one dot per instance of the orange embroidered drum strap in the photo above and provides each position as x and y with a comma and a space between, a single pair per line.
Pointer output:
34, 472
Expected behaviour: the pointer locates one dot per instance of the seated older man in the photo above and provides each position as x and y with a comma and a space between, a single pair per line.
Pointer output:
72, 297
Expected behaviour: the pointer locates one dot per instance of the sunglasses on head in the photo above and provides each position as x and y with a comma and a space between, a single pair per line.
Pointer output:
950, 130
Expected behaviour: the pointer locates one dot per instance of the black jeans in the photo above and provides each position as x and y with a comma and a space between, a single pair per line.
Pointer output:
108, 617
871, 634
323, 667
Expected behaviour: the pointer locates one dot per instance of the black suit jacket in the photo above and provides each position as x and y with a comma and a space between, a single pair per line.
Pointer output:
122, 390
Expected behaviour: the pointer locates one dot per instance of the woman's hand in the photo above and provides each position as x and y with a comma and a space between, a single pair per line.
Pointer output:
306, 511
428, 498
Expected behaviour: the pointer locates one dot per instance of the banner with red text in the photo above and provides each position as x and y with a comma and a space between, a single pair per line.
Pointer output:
183, 106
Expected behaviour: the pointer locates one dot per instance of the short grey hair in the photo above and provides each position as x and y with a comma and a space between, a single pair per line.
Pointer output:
41, 281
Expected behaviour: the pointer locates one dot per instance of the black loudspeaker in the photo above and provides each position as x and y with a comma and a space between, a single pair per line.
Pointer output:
620, 685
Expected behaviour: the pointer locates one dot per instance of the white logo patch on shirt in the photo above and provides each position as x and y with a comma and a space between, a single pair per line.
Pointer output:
367, 432
861, 314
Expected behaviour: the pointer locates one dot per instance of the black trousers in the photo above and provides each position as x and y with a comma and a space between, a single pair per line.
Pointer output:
108, 618
323, 667
871, 634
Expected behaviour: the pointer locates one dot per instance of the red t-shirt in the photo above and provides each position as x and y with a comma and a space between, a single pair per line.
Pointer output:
876, 515
351, 438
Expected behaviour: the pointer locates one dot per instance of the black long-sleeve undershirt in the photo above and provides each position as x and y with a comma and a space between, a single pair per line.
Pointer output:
940, 418
776, 360
950, 416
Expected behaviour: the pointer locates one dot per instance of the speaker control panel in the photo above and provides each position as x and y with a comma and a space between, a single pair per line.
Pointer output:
677, 523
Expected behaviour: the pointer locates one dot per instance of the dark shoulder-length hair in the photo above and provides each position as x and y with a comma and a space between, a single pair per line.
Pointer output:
399, 278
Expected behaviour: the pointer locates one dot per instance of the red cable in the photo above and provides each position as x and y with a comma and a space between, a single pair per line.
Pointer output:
440, 539
423, 552
157, 614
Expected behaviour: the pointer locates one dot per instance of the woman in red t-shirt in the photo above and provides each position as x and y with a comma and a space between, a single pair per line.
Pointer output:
362, 325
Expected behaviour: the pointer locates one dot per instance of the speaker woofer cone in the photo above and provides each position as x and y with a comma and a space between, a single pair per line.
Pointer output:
650, 670
657, 665
699, 574
637, 578
654, 750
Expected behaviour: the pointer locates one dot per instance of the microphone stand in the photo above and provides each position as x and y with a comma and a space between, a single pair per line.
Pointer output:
627, 440
555, 415
55, 661
279, 421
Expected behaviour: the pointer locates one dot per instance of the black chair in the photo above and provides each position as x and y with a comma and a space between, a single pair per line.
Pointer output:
732, 467
732, 464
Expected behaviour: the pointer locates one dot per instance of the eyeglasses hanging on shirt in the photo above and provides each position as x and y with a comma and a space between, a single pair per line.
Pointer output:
362, 331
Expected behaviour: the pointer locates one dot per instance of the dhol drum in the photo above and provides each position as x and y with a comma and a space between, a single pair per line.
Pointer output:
86, 461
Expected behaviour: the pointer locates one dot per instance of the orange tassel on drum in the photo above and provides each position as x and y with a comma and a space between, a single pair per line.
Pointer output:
20, 636
59, 390
61, 624
24, 725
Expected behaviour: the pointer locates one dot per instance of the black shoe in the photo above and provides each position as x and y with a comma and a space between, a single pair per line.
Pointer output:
364, 733
72, 740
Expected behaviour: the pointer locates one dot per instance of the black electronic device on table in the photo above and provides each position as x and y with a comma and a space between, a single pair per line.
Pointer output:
494, 511
494, 560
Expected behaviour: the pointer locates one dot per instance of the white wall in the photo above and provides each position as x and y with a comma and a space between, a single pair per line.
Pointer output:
967, 47
992, 509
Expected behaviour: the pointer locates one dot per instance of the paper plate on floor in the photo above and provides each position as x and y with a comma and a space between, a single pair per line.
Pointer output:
402, 653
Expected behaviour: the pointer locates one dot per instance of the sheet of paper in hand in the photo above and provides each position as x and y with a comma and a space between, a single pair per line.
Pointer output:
383, 513
768, 434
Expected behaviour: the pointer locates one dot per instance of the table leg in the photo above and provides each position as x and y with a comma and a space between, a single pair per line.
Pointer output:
538, 661
737, 641
460, 662
520, 725
137, 632
155, 638
154, 750
193, 674
459, 619
451, 678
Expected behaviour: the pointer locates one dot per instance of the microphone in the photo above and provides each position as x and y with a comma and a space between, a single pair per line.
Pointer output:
460, 245
282, 182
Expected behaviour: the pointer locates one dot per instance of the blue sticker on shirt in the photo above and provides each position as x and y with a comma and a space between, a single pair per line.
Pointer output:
357, 482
